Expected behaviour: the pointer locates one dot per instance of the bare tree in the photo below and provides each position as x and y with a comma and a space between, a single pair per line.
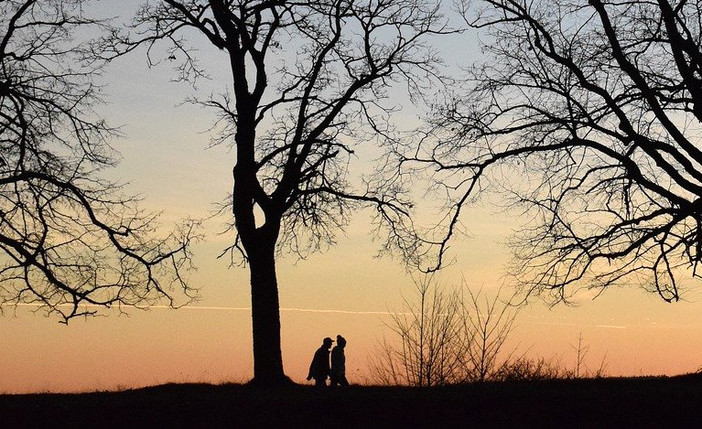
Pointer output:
428, 344
69, 241
596, 107
487, 323
581, 352
310, 80
444, 338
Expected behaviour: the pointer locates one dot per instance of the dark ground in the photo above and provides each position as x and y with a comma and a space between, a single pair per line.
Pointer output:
608, 402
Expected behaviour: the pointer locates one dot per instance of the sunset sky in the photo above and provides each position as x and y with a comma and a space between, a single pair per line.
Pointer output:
343, 291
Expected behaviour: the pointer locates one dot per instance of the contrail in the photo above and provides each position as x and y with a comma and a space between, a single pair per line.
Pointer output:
532, 322
311, 310
286, 309
611, 326
216, 308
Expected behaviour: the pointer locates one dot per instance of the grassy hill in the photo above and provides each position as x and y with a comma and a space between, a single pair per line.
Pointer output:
607, 402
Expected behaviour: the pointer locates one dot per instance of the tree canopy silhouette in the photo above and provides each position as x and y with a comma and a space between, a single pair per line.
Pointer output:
595, 107
69, 241
310, 81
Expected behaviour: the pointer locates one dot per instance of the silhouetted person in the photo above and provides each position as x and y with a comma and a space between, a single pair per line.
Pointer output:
338, 363
319, 368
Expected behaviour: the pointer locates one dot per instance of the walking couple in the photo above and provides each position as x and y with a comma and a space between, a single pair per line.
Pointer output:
320, 368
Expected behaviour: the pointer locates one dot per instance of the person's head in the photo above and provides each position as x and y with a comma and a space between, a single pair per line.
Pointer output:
327, 342
341, 341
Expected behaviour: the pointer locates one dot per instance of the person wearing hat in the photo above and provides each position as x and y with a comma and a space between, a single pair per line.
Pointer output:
338, 363
319, 368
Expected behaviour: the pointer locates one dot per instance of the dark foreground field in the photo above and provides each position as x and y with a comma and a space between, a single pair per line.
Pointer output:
620, 402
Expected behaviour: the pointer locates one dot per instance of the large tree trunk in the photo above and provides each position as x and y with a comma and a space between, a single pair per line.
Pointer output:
259, 243
265, 314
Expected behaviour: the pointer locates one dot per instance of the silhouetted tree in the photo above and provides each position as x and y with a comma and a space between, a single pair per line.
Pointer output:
310, 80
581, 352
487, 322
445, 337
592, 111
428, 342
69, 241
